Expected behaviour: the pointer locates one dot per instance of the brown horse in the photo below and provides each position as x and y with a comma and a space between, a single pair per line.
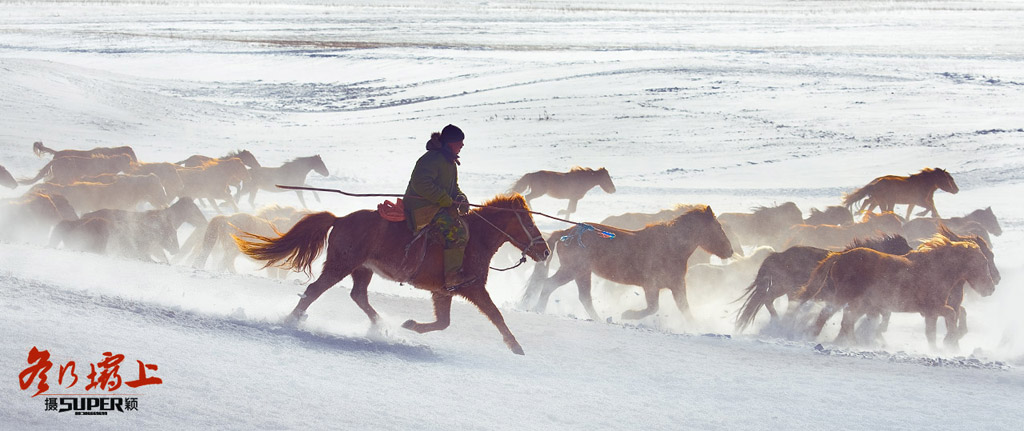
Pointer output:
863, 281
124, 192
636, 221
39, 149
653, 258
978, 222
6, 179
292, 173
783, 273
167, 172
764, 226
31, 217
184, 210
139, 236
198, 160
837, 237
834, 215
363, 243
221, 228
66, 170
211, 180
917, 189
572, 185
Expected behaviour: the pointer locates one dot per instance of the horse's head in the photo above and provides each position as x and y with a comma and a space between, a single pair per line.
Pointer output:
986, 217
319, 166
187, 210
834, 215
709, 233
153, 190
604, 180
978, 269
943, 180
510, 214
983, 246
247, 158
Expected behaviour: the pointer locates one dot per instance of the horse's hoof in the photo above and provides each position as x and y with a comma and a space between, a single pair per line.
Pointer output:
409, 324
517, 349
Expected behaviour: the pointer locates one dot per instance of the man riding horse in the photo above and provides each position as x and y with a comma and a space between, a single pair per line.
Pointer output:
433, 197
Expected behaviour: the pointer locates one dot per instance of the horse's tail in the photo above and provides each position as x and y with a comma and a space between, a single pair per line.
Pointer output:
46, 170
756, 295
858, 195
523, 184
214, 230
39, 149
820, 279
296, 249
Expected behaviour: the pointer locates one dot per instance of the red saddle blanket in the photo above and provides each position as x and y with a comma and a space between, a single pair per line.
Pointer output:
392, 211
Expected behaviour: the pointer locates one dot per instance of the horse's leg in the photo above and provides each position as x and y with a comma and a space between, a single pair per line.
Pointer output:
252, 195
317, 196
846, 327
301, 199
360, 281
825, 314
929, 329
910, 208
328, 278
214, 205
583, 283
533, 285
679, 293
571, 208
562, 276
952, 339
651, 294
476, 294
442, 315
962, 323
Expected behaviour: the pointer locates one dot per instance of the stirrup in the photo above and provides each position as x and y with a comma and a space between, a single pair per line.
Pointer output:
461, 281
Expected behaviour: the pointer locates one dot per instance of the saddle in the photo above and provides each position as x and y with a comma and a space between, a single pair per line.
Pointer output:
394, 212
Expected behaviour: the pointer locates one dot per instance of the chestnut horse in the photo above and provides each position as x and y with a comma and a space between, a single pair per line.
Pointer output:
39, 149
653, 258
765, 226
572, 185
834, 215
836, 237
6, 179
783, 273
917, 189
635, 221
362, 243
292, 172
863, 281
198, 160
978, 222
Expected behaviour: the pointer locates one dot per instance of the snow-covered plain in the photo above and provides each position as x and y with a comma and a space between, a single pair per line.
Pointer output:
735, 105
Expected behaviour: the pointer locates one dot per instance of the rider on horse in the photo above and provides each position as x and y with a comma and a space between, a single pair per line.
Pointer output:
433, 197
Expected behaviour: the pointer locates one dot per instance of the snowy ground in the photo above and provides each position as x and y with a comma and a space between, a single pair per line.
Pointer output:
734, 105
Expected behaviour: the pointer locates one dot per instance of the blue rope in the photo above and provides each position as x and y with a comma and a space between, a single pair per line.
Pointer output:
577, 233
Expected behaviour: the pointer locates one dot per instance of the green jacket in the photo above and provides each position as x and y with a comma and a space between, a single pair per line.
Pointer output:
434, 184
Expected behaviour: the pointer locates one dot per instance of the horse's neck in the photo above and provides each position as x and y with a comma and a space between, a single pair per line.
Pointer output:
297, 167
676, 239
488, 238
923, 182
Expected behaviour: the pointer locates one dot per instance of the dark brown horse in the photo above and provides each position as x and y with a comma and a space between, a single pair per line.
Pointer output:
39, 149
362, 243
917, 189
765, 226
783, 273
572, 185
863, 281
6, 179
653, 258
291, 173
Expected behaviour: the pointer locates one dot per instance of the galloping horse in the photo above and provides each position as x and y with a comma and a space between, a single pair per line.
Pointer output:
148, 234
363, 243
653, 258
31, 217
764, 226
291, 173
198, 160
836, 237
572, 185
863, 281
211, 180
125, 192
66, 170
917, 189
167, 172
636, 221
6, 179
978, 222
221, 228
39, 149
783, 273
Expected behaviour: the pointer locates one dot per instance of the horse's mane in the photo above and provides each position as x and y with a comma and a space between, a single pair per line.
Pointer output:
236, 153
298, 159
879, 243
510, 200
765, 210
699, 208
582, 169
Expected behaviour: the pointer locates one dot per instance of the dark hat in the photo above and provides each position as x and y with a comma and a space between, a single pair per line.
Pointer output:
450, 134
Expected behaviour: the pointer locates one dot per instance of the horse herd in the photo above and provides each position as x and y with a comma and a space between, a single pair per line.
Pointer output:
88, 201
875, 265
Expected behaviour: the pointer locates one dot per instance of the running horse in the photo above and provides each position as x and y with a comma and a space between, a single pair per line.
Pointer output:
291, 173
653, 258
362, 243
572, 185
917, 189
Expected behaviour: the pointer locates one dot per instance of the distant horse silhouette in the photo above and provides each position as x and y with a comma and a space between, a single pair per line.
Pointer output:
362, 243
917, 189
572, 185
39, 149
834, 215
124, 192
198, 160
765, 226
637, 221
783, 273
211, 180
6, 179
863, 281
653, 258
31, 217
66, 170
138, 235
184, 210
167, 172
290, 173
978, 222
836, 237
221, 228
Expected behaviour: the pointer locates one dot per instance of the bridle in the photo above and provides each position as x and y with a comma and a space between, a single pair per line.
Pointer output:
534, 240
